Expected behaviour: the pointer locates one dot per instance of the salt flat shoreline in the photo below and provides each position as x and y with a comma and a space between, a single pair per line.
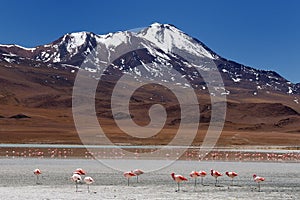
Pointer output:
18, 182
232, 148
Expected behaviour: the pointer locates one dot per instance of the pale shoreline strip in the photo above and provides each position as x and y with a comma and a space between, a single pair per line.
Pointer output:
273, 149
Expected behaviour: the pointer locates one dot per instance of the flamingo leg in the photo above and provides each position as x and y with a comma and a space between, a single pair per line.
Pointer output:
137, 179
88, 186
216, 182
195, 183
37, 179
232, 182
178, 188
259, 186
127, 181
76, 186
201, 180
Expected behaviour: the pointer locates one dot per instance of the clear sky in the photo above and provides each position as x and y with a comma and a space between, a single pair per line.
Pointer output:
264, 34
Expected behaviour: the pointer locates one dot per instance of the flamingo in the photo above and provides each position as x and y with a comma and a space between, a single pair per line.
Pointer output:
88, 180
137, 172
258, 179
202, 175
77, 179
178, 179
79, 171
37, 172
231, 175
128, 175
215, 174
195, 175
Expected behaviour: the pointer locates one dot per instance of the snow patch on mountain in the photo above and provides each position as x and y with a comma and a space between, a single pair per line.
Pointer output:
18, 46
9, 60
113, 40
236, 80
75, 40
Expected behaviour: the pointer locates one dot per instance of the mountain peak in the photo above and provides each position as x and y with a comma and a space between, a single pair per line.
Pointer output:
159, 25
171, 40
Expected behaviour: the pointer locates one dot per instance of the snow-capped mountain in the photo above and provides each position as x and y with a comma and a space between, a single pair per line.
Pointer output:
158, 44
39, 83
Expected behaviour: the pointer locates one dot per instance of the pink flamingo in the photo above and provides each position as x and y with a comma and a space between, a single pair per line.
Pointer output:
79, 171
215, 174
88, 180
202, 175
178, 179
137, 172
77, 179
37, 172
231, 175
195, 175
258, 179
128, 175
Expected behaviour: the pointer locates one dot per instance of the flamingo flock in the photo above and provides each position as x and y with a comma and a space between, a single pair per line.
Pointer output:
79, 172
215, 174
76, 178
194, 175
117, 154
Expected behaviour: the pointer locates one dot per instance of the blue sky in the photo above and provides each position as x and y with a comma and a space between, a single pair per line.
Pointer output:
264, 34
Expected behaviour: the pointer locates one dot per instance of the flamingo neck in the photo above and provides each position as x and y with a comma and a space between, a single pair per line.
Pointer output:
173, 176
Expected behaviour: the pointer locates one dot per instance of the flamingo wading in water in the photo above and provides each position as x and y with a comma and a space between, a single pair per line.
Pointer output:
178, 179
195, 175
128, 175
137, 172
258, 179
231, 175
202, 175
215, 174
37, 172
88, 180
76, 178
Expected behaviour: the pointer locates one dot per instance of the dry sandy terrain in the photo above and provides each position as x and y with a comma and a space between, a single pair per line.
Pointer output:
18, 182
265, 119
